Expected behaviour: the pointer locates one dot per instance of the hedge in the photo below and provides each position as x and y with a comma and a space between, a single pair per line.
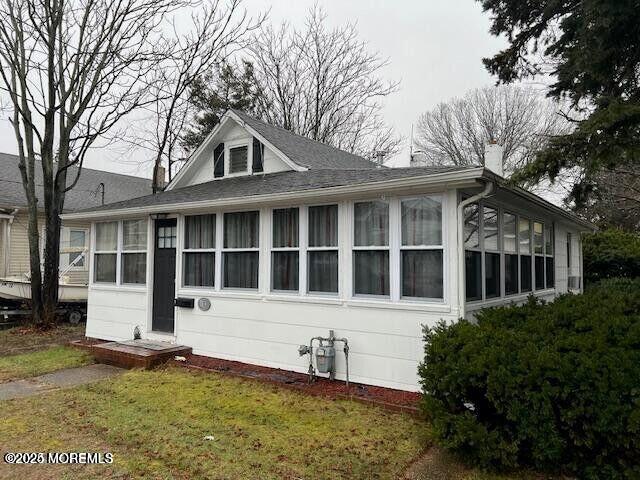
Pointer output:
555, 387
610, 254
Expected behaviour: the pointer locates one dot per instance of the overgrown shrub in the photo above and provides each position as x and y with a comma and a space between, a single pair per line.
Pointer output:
550, 386
611, 254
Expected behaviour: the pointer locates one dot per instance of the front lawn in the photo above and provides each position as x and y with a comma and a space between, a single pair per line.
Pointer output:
22, 339
156, 423
25, 365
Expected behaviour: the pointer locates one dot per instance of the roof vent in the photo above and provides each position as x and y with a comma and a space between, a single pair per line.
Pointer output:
493, 157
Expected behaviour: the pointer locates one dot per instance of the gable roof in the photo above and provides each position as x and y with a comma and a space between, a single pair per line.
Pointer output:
85, 194
303, 151
274, 183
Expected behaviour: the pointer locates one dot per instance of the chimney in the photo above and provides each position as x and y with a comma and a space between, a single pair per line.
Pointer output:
493, 157
160, 181
380, 157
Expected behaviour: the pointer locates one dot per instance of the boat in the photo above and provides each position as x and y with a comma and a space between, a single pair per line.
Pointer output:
17, 289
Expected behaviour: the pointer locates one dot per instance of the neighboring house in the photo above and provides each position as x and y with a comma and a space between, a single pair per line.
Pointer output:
278, 239
14, 240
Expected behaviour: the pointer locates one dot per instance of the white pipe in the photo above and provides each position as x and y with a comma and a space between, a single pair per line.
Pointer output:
488, 189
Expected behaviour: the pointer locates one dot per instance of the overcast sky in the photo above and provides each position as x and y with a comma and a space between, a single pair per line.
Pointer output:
435, 50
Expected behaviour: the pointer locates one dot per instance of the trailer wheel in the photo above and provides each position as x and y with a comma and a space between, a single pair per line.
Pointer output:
75, 317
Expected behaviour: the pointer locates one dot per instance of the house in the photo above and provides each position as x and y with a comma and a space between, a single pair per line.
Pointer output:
268, 239
74, 241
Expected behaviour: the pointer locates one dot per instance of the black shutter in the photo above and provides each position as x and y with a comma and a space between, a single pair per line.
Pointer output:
258, 151
218, 161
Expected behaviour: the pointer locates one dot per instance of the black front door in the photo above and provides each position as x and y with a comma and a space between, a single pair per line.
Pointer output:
164, 275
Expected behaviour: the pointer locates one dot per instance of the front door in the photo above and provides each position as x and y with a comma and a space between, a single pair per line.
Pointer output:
164, 276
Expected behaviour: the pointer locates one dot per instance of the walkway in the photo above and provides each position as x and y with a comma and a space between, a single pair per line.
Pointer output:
66, 378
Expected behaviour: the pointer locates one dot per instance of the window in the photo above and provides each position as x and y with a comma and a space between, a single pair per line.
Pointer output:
76, 248
166, 237
322, 251
421, 248
538, 250
490, 235
371, 248
199, 257
134, 251
509, 246
472, 254
106, 253
285, 249
240, 250
549, 241
524, 244
238, 159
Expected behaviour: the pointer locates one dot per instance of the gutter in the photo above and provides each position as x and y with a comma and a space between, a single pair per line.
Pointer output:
489, 188
457, 179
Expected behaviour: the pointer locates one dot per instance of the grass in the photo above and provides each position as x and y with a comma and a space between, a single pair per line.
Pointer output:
25, 365
155, 424
23, 340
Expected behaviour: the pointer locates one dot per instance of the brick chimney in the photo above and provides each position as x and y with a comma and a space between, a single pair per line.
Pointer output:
160, 180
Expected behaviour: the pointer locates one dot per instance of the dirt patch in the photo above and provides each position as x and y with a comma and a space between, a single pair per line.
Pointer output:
397, 400
25, 339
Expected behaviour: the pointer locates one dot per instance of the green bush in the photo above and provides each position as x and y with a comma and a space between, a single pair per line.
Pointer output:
611, 254
550, 386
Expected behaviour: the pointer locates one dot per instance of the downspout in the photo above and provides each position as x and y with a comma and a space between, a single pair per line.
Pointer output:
488, 190
7, 244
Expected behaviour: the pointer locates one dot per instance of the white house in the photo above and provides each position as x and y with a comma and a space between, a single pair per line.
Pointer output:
278, 239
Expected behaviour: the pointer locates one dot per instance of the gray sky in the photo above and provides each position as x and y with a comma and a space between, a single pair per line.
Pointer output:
434, 49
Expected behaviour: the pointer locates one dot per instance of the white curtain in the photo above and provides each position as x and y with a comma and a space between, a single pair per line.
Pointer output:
323, 271
323, 226
241, 269
200, 231
371, 223
422, 221
241, 230
107, 236
285, 227
284, 268
134, 235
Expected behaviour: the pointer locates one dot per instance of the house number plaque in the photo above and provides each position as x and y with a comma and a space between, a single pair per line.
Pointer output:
204, 304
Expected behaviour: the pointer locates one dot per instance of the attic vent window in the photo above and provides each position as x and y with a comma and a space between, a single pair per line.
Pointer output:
238, 159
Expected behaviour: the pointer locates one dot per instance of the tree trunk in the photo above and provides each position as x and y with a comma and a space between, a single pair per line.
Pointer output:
37, 307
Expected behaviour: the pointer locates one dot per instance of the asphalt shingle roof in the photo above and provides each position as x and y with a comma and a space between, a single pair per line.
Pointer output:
304, 151
85, 193
282, 182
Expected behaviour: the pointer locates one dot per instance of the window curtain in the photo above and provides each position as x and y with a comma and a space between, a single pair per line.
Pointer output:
105, 268
199, 269
285, 227
371, 223
422, 273
371, 272
134, 267
134, 235
323, 271
241, 230
284, 267
241, 269
107, 236
422, 221
200, 231
323, 226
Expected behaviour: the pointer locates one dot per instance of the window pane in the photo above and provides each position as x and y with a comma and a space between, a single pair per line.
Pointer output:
134, 235
548, 239
473, 275
241, 230
422, 273
492, 274
199, 269
241, 269
134, 267
105, 267
471, 226
525, 273
323, 271
509, 233
550, 272
490, 231
524, 236
285, 227
77, 238
323, 226
238, 159
371, 272
71, 258
371, 223
422, 221
107, 236
510, 274
539, 273
200, 231
538, 238
284, 270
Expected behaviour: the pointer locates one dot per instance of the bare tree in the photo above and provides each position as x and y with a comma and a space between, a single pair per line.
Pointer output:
519, 119
72, 70
324, 84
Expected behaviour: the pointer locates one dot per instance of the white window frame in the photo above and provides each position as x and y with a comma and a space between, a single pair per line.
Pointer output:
297, 249
504, 253
485, 250
402, 248
224, 250
122, 251
393, 288
94, 263
306, 248
66, 240
228, 146
182, 230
